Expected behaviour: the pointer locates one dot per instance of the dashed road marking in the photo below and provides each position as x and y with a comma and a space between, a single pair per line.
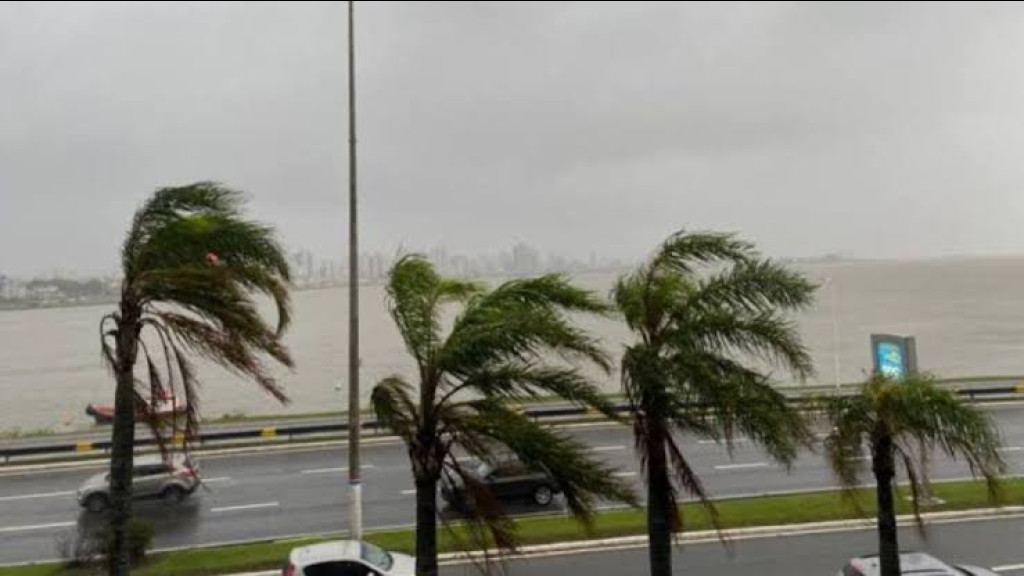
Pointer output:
246, 507
742, 466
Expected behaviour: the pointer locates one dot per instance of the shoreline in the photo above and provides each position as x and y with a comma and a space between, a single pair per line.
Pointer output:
19, 306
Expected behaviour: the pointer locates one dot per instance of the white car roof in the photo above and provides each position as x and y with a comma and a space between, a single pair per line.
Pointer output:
910, 562
325, 552
153, 459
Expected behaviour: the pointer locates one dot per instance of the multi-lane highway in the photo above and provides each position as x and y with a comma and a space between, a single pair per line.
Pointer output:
302, 491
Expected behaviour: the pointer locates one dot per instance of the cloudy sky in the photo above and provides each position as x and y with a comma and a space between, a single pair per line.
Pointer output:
883, 130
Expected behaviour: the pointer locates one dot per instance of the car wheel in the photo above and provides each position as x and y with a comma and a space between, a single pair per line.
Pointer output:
96, 503
543, 495
173, 495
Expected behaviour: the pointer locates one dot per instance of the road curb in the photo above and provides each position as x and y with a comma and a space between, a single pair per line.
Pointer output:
705, 536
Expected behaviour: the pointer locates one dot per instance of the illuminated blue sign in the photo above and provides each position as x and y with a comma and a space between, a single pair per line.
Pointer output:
890, 360
894, 356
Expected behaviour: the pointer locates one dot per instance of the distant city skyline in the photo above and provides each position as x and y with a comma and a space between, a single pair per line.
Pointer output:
445, 257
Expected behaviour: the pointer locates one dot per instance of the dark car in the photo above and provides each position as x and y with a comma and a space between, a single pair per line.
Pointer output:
507, 481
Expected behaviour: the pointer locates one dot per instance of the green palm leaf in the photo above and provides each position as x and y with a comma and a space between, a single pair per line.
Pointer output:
506, 345
193, 266
703, 308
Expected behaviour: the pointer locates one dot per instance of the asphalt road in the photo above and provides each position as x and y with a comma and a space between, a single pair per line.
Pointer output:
988, 544
286, 493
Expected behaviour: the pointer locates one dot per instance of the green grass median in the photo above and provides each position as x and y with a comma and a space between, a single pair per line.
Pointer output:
747, 512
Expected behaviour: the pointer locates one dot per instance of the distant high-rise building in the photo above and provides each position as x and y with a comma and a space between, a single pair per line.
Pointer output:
439, 256
525, 259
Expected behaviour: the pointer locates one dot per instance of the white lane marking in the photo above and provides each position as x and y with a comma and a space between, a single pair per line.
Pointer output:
32, 496
334, 470
624, 474
1008, 568
325, 470
408, 492
741, 466
246, 507
607, 448
36, 527
217, 479
1011, 448
736, 440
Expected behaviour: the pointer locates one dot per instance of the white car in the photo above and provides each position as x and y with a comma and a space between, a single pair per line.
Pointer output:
912, 563
347, 558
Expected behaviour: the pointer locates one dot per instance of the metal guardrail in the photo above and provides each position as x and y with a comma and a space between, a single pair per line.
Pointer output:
289, 432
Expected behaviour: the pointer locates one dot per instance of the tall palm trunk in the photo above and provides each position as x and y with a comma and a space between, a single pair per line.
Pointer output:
122, 448
426, 527
884, 468
659, 513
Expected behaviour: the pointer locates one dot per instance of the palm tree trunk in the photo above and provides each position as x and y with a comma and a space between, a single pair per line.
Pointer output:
426, 527
122, 451
884, 468
659, 513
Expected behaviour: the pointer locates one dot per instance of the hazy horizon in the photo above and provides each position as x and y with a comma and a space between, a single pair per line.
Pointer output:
875, 131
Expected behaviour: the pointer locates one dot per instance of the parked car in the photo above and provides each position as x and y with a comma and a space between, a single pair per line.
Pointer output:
912, 563
507, 480
347, 558
152, 477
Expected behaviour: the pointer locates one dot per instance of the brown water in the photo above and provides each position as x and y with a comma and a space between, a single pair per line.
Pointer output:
968, 316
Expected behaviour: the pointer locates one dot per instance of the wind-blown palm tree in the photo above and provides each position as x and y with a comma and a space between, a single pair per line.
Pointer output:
707, 312
503, 346
191, 264
892, 417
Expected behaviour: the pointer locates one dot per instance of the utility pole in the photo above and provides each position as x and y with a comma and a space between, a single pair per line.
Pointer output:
354, 428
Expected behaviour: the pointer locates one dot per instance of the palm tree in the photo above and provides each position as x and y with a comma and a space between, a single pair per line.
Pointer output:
191, 264
891, 417
505, 345
708, 315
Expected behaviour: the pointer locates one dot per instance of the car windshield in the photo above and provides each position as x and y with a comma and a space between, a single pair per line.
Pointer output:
376, 556
484, 470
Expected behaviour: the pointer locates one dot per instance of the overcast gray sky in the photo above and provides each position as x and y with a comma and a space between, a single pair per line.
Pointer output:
889, 130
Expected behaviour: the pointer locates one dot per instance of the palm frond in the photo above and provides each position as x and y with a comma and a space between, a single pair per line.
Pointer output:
486, 335
106, 350
412, 297
852, 422
519, 381
180, 226
914, 479
766, 335
742, 400
683, 251
583, 480
490, 530
393, 405
238, 353
938, 417
691, 483
754, 286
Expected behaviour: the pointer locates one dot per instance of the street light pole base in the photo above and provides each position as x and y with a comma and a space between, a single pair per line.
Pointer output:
356, 510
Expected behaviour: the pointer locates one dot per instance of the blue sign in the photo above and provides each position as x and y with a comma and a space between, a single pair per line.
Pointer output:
894, 356
890, 360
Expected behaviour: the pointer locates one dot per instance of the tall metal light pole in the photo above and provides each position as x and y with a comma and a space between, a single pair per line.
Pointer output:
354, 428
